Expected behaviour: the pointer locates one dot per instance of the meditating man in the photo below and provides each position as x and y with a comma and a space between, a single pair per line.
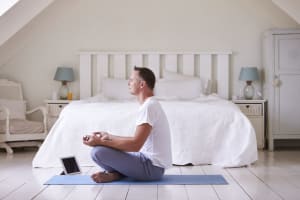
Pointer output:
146, 154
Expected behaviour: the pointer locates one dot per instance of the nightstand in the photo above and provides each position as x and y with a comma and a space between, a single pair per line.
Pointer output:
54, 107
255, 110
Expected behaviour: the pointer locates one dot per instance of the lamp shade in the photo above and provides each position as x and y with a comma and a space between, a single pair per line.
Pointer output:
64, 74
249, 74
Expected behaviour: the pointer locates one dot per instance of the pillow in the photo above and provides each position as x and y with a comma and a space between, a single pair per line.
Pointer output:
184, 89
116, 89
168, 75
17, 109
206, 83
97, 98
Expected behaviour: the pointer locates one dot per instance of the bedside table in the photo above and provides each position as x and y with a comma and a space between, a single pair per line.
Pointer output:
255, 110
54, 107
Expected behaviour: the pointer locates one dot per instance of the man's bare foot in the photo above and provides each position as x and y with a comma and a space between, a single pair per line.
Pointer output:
104, 177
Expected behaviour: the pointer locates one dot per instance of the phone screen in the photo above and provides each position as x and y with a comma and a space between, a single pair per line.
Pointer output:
70, 165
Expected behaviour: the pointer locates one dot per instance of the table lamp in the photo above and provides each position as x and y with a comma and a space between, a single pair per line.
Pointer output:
64, 74
249, 74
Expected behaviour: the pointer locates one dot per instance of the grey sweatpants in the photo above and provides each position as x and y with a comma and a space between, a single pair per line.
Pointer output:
131, 164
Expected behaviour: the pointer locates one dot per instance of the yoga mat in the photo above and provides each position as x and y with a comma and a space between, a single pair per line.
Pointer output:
166, 180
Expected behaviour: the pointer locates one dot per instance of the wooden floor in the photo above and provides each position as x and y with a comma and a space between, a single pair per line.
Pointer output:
275, 176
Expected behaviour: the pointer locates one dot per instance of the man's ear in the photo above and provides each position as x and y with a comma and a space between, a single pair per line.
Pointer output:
143, 84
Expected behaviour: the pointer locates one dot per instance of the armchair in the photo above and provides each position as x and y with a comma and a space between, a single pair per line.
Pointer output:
16, 130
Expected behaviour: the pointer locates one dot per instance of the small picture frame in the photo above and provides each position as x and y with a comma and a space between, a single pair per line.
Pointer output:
70, 165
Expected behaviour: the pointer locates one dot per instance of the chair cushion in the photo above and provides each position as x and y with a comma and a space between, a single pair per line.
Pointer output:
19, 126
17, 108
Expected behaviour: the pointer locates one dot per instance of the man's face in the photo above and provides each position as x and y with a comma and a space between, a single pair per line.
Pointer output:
134, 82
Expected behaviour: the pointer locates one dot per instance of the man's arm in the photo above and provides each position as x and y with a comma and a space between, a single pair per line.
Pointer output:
129, 144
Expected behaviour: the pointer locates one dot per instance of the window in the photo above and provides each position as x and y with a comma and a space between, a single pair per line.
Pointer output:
5, 5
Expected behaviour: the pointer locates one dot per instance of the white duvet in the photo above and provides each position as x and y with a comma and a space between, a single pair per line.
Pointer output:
205, 131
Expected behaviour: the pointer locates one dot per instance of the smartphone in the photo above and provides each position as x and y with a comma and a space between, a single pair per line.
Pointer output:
70, 165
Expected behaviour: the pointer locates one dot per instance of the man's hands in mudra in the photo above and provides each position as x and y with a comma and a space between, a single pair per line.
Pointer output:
97, 138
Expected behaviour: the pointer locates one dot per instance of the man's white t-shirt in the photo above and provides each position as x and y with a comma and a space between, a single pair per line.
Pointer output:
157, 147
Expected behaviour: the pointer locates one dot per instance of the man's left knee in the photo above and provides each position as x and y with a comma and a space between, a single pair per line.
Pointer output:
99, 153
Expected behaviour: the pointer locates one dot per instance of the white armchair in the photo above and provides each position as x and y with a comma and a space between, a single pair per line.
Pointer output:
15, 128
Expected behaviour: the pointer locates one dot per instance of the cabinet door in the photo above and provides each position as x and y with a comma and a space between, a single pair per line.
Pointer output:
55, 109
287, 88
258, 125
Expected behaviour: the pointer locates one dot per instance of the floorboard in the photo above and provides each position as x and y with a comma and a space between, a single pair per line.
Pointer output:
276, 175
232, 191
113, 192
147, 192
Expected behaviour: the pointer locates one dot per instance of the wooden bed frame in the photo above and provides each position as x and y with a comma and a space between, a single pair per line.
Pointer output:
208, 66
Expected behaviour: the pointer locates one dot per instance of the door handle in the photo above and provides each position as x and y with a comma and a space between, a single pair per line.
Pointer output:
276, 82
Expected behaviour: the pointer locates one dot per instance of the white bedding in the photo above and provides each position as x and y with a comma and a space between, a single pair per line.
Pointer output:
205, 131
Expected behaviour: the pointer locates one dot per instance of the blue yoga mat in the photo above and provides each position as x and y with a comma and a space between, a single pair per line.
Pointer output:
166, 180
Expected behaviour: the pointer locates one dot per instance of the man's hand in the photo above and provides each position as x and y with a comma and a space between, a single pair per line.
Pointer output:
97, 138
91, 140
102, 135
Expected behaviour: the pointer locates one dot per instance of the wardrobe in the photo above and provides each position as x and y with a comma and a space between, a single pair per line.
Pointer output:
281, 60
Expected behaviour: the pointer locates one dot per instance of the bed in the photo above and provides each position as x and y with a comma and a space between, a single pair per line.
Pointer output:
193, 90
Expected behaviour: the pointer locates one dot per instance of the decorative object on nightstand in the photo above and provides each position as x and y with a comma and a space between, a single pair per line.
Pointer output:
64, 74
256, 111
249, 74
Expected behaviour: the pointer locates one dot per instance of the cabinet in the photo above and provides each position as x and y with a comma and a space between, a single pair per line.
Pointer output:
54, 107
255, 110
282, 79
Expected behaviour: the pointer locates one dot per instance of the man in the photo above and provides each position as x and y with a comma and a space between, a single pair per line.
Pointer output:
147, 154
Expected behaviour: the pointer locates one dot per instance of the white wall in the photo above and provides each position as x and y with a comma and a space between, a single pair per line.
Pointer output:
291, 7
67, 26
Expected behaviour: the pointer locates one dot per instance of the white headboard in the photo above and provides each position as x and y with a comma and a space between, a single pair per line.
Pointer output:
212, 66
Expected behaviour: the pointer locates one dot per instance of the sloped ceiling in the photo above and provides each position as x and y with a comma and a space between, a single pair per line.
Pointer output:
290, 7
25, 10
19, 15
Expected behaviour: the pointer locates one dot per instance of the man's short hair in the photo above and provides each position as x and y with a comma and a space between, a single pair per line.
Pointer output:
147, 75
